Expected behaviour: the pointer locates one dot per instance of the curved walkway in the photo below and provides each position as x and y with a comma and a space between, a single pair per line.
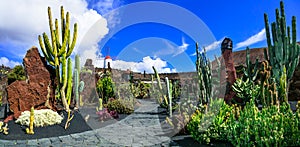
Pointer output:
142, 128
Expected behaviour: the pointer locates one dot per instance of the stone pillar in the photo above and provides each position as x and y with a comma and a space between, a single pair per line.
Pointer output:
227, 54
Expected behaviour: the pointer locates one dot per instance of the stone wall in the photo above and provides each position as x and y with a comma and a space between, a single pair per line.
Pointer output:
294, 89
3, 84
89, 94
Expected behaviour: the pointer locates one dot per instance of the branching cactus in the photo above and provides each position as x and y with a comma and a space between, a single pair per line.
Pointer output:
283, 50
57, 53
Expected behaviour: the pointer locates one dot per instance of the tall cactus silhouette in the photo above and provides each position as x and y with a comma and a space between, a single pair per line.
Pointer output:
78, 85
251, 70
58, 52
283, 50
203, 67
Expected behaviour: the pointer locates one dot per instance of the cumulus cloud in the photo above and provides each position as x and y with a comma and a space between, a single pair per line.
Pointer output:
28, 19
144, 65
5, 61
260, 36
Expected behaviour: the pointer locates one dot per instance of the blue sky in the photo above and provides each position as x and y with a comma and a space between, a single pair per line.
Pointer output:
137, 39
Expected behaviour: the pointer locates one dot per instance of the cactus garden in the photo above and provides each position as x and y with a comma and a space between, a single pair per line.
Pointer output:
58, 97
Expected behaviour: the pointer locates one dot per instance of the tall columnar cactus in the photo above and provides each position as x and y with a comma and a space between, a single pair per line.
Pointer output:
161, 92
78, 85
283, 50
58, 52
251, 70
169, 91
31, 120
203, 67
268, 88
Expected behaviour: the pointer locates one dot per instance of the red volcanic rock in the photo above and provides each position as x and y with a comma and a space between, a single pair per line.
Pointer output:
22, 95
230, 69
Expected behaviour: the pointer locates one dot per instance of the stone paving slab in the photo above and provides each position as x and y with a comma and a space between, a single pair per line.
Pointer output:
142, 128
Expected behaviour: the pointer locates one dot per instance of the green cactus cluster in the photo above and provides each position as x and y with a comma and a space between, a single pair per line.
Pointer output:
78, 85
268, 88
140, 89
251, 70
245, 90
273, 124
203, 67
161, 94
248, 126
58, 52
283, 51
165, 94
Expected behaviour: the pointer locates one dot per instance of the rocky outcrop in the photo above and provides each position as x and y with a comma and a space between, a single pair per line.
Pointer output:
37, 90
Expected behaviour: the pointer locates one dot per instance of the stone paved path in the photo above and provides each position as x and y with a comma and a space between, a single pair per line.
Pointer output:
142, 128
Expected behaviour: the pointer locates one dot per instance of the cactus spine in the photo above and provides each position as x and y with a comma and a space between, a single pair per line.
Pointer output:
31, 120
283, 50
58, 52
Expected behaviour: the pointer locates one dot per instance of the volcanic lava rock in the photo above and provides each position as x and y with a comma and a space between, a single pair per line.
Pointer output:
37, 88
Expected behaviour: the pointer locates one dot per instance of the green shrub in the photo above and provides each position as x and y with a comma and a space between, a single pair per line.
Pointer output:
272, 126
17, 73
105, 87
121, 106
209, 124
140, 90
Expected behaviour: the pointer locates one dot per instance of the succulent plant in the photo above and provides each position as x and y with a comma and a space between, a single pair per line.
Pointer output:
105, 114
283, 50
31, 120
3, 128
43, 117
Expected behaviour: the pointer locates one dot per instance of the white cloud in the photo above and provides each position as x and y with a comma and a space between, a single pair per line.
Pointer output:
28, 19
144, 65
7, 62
212, 46
253, 39
171, 49
105, 8
181, 49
